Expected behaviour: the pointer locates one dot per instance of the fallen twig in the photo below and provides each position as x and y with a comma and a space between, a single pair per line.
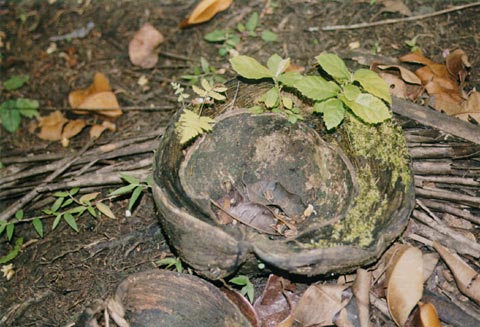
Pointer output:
399, 20
63, 166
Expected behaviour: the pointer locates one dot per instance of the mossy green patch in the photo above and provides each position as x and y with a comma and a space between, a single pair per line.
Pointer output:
370, 148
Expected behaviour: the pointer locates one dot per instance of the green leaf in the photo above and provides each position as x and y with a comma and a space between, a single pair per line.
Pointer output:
86, 198
270, 98
190, 125
12, 254
334, 66
216, 36
71, 221
332, 110
57, 204
67, 202
56, 221
240, 280
135, 194
124, 189
10, 230
351, 91
28, 108
256, 110
205, 66
248, 67
287, 102
289, 78
167, 262
3, 224
15, 82
232, 41
252, 22
368, 108
222, 52
74, 191
373, 84
61, 194
38, 225
240, 27
10, 116
249, 290
103, 208
130, 179
91, 210
19, 214
277, 65
269, 36
77, 210
316, 88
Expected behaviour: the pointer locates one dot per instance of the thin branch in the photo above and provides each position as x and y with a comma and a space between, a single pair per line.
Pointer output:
399, 20
63, 165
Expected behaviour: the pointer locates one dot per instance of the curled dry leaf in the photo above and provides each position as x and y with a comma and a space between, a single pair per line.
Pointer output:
205, 10
457, 64
51, 126
404, 280
273, 307
320, 304
427, 316
103, 103
467, 279
96, 130
441, 82
430, 261
100, 84
141, 48
402, 82
98, 97
72, 128
470, 108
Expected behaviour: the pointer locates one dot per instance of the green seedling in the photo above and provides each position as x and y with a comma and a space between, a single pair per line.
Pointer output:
247, 286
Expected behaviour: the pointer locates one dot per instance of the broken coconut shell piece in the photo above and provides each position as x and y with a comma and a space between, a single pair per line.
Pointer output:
295, 196
165, 298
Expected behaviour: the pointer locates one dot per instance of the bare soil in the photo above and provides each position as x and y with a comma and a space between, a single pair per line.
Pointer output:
58, 275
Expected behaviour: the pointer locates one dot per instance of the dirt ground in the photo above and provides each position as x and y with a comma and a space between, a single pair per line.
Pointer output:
58, 275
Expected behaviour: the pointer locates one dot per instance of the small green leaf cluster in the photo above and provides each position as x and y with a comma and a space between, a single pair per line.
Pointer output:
363, 92
191, 124
12, 254
68, 208
229, 38
205, 71
170, 262
12, 111
135, 187
247, 286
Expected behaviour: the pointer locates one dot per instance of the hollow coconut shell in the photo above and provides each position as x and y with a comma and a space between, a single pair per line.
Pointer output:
357, 179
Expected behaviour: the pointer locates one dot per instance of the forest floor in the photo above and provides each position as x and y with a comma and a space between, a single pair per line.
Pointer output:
58, 275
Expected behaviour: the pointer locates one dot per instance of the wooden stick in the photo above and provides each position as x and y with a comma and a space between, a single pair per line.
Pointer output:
447, 195
438, 120
399, 20
456, 180
63, 165
445, 207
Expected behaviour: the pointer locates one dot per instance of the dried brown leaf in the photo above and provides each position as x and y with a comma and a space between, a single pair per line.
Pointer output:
96, 130
205, 11
406, 75
430, 261
272, 307
102, 103
396, 6
404, 280
457, 64
100, 84
467, 279
427, 315
51, 126
320, 304
141, 48
416, 57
